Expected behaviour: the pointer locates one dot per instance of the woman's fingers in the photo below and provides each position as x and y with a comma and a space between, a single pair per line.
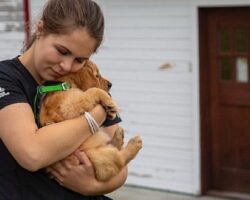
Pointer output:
83, 158
59, 170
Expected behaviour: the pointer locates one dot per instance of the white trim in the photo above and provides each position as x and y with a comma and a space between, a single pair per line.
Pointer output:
210, 3
196, 101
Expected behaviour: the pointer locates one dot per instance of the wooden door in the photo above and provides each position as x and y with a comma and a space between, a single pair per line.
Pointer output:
225, 98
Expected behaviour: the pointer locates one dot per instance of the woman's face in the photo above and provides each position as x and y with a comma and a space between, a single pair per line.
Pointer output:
57, 55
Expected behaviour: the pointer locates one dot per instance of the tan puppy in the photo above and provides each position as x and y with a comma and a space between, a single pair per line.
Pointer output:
89, 88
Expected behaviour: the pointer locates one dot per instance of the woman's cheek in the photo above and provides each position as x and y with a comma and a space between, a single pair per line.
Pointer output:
77, 67
55, 57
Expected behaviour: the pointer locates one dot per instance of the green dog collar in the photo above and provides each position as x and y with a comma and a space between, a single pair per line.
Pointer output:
42, 90
53, 88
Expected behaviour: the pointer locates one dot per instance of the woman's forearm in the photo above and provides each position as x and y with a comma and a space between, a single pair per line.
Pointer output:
36, 148
74, 132
61, 139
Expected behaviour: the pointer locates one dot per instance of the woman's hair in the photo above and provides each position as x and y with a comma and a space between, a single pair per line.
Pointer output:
63, 16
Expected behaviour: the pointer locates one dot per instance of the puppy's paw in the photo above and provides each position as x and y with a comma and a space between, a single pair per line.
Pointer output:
111, 109
135, 143
118, 138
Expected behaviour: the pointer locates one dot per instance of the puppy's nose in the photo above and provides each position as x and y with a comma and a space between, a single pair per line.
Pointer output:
109, 85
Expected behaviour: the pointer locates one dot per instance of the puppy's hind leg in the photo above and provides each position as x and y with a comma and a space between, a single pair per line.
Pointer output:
106, 161
131, 150
118, 137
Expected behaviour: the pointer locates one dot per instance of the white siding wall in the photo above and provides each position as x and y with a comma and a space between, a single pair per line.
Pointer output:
140, 37
11, 28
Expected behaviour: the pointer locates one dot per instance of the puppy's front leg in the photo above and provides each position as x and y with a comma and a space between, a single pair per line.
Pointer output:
99, 96
76, 102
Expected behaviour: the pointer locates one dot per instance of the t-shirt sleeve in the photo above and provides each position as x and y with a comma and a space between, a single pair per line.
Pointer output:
110, 122
10, 91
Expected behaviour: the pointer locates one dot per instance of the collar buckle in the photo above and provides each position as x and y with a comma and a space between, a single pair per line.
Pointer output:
65, 86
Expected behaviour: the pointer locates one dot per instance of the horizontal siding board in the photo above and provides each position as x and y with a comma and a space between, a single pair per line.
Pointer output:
165, 54
145, 129
150, 152
149, 22
175, 164
178, 172
162, 173
13, 16
140, 127
121, 65
10, 6
154, 140
158, 119
11, 36
11, 26
153, 76
152, 43
142, 33
160, 99
8, 47
150, 89
152, 162
150, 3
172, 110
157, 10
137, 60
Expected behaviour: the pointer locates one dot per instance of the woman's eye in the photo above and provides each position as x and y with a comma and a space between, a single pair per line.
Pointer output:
80, 61
61, 51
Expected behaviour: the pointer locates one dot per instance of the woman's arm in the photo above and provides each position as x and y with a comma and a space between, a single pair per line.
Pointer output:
35, 148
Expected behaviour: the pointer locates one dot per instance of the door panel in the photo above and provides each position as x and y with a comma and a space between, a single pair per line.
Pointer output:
228, 56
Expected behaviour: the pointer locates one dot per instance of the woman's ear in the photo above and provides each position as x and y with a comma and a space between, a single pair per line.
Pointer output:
39, 29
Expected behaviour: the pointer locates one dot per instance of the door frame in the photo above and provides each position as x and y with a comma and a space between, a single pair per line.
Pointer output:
205, 104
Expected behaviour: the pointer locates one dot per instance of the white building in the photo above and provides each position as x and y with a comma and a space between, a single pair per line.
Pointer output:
180, 74
11, 28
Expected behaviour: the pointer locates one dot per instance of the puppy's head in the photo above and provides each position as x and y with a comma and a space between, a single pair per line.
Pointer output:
89, 76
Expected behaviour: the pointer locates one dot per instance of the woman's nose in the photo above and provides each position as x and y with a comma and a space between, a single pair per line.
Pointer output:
66, 64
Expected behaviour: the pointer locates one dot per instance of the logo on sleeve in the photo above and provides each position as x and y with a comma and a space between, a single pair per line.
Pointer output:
3, 93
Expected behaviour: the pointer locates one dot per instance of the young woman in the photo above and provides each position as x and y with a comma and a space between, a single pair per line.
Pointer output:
67, 34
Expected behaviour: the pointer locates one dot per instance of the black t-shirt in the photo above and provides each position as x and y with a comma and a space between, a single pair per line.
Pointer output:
16, 183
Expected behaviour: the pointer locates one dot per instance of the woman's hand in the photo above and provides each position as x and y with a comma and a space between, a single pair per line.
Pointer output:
81, 178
